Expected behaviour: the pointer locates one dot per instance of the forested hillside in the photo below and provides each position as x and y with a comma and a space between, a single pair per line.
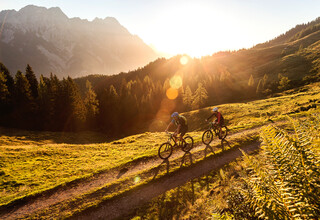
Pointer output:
143, 99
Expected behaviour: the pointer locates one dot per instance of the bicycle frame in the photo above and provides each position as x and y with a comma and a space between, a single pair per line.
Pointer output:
216, 128
175, 140
213, 126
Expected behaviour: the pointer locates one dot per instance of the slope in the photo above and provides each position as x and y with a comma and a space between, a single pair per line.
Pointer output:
132, 162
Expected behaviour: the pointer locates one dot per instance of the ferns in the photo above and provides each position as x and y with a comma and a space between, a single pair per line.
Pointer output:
283, 182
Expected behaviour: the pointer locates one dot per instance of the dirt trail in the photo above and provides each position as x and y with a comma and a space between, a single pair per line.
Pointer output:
126, 204
132, 199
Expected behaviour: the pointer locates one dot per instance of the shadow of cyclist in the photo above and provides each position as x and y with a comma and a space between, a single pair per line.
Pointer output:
207, 150
122, 172
186, 159
224, 144
165, 163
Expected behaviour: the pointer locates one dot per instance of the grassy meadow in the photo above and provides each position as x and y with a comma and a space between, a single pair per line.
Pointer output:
280, 181
32, 162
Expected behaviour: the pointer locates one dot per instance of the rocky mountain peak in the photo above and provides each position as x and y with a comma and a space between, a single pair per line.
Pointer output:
49, 41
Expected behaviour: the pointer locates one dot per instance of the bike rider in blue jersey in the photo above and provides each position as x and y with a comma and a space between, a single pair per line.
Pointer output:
182, 125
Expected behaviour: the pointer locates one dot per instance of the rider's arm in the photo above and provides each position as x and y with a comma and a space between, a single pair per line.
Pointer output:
210, 116
178, 129
169, 125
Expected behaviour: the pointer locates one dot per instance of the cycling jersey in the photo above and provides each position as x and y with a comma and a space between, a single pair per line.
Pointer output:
184, 125
219, 120
180, 121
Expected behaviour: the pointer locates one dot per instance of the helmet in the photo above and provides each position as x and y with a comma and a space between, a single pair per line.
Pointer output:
175, 114
215, 109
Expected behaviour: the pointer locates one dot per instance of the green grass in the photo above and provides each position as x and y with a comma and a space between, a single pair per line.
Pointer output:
220, 193
28, 169
247, 115
32, 162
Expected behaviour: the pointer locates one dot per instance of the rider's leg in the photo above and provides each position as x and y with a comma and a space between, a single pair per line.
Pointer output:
220, 131
175, 135
183, 132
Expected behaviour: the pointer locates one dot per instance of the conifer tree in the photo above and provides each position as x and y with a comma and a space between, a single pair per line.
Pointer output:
264, 81
109, 110
22, 89
76, 107
3, 97
57, 102
251, 81
200, 97
166, 85
42, 89
113, 93
4, 92
24, 107
187, 98
32, 81
44, 102
91, 103
9, 81
259, 87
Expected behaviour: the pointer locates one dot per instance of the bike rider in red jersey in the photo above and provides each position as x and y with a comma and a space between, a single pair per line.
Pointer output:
219, 119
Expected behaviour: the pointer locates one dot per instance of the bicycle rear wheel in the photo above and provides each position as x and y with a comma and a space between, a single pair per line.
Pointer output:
187, 144
224, 132
165, 150
207, 137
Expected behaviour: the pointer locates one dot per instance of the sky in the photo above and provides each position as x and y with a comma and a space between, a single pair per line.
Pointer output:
194, 27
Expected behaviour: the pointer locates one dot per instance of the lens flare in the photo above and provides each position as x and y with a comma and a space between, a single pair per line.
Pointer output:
137, 179
175, 82
184, 60
172, 93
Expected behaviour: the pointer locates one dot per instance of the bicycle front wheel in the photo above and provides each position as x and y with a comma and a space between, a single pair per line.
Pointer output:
207, 137
187, 144
165, 150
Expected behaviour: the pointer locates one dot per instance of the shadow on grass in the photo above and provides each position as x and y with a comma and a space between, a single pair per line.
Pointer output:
186, 159
165, 163
224, 144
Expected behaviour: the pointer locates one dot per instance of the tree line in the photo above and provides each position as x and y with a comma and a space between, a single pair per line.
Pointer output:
125, 103
47, 104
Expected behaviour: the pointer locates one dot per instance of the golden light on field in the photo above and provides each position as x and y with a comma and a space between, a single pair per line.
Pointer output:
172, 93
175, 82
184, 60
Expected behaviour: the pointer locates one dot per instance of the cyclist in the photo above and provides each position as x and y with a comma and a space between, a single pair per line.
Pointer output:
219, 120
181, 122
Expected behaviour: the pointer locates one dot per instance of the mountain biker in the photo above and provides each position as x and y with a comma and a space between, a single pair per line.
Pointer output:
181, 122
219, 120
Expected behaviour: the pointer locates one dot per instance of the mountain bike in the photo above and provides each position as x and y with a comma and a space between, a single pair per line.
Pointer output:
207, 136
165, 149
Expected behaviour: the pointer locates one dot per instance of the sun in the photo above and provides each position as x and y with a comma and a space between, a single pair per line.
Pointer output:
193, 29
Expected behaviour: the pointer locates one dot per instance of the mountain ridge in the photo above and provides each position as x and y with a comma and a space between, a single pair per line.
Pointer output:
51, 42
